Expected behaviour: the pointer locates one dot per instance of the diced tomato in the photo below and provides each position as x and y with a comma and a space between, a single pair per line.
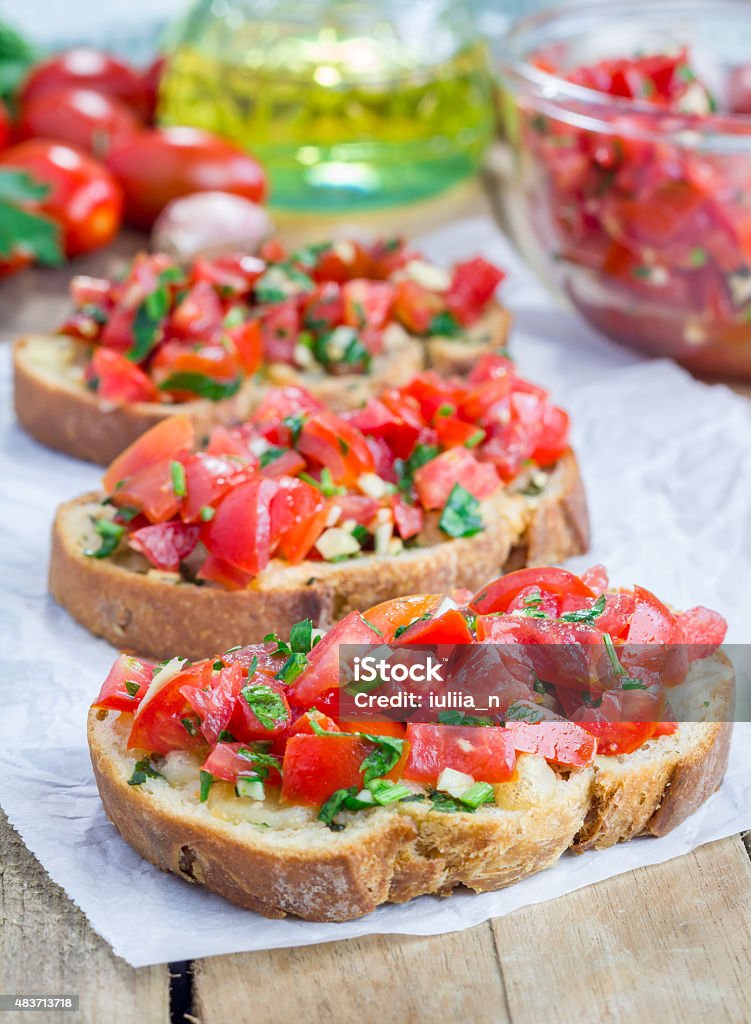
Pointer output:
261, 655
329, 441
553, 436
666, 729
323, 308
280, 328
358, 507
215, 704
248, 345
435, 480
619, 737
491, 365
158, 723
431, 391
453, 432
497, 596
170, 439
198, 316
216, 570
90, 291
165, 545
240, 532
226, 441
486, 753
246, 725
596, 579
294, 502
396, 729
449, 628
652, 622
117, 379
115, 694
367, 303
473, 285
322, 672
288, 464
303, 724
388, 616
408, 519
212, 361
207, 479
703, 629
342, 262
296, 543
152, 491
316, 766
279, 404
563, 743
234, 273
226, 762
415, 306
394, 417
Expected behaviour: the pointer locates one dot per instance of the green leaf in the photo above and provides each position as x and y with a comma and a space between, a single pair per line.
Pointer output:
147, 325
262, 763
461, 514
587, 615
201, 385
110, 533
445, 324
266, 705
301, 636
380, 761
334, 804
142, 771
293, 667
29, 233
271, 455
207, 781
20, 187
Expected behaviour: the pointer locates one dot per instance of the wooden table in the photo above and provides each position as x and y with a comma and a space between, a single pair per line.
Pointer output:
669, 944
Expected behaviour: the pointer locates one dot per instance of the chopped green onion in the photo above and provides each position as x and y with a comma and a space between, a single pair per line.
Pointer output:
179, 485
207, 781
478, 794
207, 513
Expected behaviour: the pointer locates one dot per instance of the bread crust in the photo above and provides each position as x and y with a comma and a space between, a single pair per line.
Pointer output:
319, 875
146, 615
394, 854
54, 407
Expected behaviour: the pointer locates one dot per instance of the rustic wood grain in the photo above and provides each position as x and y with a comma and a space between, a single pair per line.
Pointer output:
373, 980
668, 943
47, 947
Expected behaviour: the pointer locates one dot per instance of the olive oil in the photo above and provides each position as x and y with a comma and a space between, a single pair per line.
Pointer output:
338, 122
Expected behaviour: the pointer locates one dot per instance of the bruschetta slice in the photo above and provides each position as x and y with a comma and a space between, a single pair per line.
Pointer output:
304, 513
241, 773
343, 320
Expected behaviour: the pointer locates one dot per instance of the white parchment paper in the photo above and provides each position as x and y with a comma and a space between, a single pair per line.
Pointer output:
667, 462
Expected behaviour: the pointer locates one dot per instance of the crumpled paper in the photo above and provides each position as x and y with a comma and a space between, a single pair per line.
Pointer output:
667, 462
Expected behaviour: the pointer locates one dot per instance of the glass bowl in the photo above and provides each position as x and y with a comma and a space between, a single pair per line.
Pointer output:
641, 215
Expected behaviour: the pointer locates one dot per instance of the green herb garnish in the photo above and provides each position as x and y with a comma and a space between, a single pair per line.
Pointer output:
461, 514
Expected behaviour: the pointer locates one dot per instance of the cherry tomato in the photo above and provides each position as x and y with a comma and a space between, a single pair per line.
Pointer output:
87, 68
83, 196
116, 694
160, 164
89, 120
486, 753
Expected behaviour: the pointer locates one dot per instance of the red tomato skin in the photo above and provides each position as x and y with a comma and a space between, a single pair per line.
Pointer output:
158, 727
619, 737
388, 616
161, 164
246, 726
449, 628
240, 532
214, 706
330, 441
87, 68
408, 519
151, 490
472, 287
497, 596
303, 724
564, 743
486, 753
170, 439
114, 695
435, 480
316, 766
117, 379
703, 630
165, 545
322, 672
396, 729
84, 198
216, 570
91, 121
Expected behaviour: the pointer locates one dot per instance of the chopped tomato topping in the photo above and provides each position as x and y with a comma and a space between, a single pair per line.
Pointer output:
486, 753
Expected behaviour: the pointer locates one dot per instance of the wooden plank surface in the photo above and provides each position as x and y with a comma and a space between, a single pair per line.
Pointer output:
47, 947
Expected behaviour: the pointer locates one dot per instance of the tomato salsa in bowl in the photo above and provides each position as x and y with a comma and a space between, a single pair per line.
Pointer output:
631, 130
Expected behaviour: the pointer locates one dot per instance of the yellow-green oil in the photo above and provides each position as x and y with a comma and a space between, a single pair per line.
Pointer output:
338, 123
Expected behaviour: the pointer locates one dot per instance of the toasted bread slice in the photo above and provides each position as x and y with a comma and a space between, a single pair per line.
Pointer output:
143, 611
279, 860
53, 405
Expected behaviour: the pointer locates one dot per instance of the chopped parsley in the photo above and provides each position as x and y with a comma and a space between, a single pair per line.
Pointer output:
201, 385
143, 770
266, 705
461, 514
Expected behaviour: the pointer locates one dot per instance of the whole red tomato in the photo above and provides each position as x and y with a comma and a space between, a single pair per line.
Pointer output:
87, 68
83, 196
4, 126
90, 120
159, 165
